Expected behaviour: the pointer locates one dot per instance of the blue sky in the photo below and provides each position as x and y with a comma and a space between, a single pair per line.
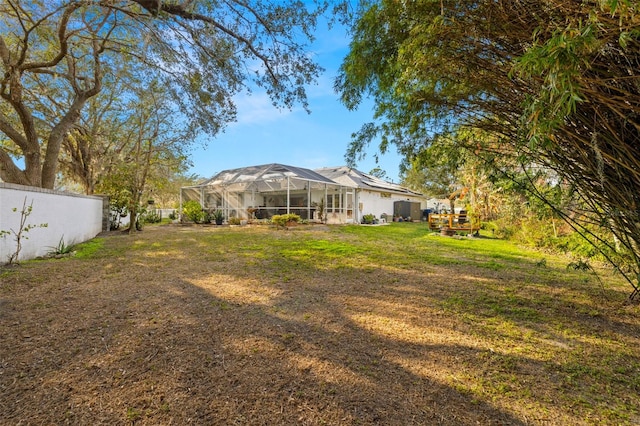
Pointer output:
263, 134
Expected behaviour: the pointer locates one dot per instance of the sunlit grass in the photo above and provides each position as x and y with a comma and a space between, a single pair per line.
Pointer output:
526, 334
89, 248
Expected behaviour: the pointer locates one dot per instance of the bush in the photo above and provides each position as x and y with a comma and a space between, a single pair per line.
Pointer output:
217, 216
193, 211
501, 228
281, 220
207, 217
234, 221
368, 219
152, 217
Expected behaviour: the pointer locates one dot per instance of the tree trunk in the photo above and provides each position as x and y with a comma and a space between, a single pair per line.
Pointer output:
54, 144
133, 217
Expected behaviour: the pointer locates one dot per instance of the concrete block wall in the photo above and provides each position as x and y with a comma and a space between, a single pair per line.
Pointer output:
72, 217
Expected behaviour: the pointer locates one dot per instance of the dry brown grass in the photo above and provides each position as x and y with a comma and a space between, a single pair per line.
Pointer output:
341, 326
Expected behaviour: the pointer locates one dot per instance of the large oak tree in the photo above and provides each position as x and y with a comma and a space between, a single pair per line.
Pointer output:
55, 55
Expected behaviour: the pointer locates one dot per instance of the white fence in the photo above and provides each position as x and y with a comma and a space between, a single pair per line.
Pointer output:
70, 217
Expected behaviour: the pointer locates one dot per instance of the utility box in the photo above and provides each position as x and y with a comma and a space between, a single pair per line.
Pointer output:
407, 209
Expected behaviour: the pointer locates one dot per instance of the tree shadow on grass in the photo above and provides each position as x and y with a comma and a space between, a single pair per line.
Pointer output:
101, 343
156, 337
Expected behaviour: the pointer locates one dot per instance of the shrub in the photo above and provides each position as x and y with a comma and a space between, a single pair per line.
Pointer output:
61, 248
368, 219
193, 211
283, 219
153, 217
234, 221
218, 217
115, 220
501, 228
206, 217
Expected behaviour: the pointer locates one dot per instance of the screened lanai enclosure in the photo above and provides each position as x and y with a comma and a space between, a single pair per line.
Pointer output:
259, 192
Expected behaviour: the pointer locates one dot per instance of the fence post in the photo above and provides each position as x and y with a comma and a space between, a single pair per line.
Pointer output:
105, 213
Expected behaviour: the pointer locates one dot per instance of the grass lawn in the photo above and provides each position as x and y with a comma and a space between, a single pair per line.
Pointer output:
347, 325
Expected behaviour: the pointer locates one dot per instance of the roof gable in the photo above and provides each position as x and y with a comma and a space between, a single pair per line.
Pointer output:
352, 177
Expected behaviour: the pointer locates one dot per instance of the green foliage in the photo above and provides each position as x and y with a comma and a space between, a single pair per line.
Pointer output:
560, 58
152, 216
579, 265
102, 41
21, 232
133, 414
283, 219
119, 197
62, 248
531, 227
235, 221
206, 217
320, 210
368, 219
378, 172
192, 211
500, 229
434, 170
217, 216
89, 248
536, 232
551, 85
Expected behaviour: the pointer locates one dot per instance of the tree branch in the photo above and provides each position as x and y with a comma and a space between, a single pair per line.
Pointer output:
63, 39
9, 172
12, 133
155, 6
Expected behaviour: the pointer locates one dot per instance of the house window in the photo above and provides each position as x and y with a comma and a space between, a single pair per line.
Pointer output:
334, 202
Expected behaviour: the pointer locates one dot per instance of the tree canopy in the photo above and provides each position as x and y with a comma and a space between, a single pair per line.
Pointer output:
56, 55
434, 170
556, 82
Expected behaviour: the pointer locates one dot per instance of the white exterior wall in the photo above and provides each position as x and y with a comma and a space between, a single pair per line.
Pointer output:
373, 203
75, 218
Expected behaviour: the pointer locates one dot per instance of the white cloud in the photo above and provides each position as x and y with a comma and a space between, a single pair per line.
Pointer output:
257, 108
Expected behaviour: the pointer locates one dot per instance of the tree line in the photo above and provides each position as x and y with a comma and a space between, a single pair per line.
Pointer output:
541, 94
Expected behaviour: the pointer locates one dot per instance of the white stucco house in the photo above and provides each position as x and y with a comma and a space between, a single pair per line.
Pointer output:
342, 194
377, 196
